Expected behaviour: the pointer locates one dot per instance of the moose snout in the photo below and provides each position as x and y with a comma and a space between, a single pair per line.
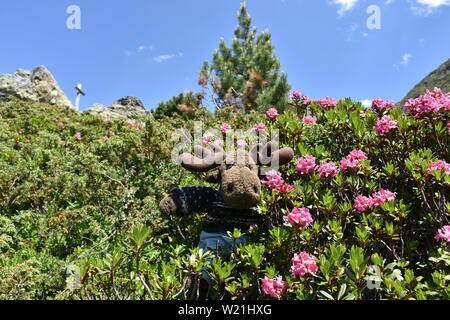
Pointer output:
241, 189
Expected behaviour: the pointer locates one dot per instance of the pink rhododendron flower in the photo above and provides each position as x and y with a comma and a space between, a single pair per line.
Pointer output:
103, 138
273, 179
302, 264
285, 188
357, 154
431, 102
443, 234
259, 127
385, 124
225, 128
327, 170
27, 141
296, 95
241, 143
363, 203
274, 287
78, 124
78, 136
306, 100
327, 102
379, 105
309, 120
64, 143
348, 163
61, 125
55, 119
272, 113
300, 216
382, 196
306, 164
208, 138
439, 165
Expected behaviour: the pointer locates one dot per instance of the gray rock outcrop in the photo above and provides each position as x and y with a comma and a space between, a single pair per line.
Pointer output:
127, 107
37, 85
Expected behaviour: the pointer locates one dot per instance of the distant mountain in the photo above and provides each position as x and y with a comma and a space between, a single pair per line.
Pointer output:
439, 78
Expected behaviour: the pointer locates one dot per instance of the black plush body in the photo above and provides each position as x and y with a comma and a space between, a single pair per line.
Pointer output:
220, 217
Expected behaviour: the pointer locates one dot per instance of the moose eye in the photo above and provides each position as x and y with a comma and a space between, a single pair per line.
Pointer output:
229, 166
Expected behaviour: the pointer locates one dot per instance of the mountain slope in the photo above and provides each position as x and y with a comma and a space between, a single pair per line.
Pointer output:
439, 78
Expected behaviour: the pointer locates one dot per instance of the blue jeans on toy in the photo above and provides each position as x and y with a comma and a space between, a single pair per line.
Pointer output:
217, 241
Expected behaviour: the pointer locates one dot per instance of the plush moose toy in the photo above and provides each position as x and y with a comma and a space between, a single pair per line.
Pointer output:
233, 204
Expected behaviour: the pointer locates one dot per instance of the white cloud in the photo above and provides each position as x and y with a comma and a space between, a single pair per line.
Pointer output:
366, 103
434, 3
345, 5
406, 58
165, 57
141, 48
426, 7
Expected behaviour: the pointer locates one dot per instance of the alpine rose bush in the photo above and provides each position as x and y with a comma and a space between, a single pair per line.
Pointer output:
385, 124
309, 120
272, 113
327, 170
306, 164
302, 264
443, 234
274, 287
352, 201
327, 102
300, 216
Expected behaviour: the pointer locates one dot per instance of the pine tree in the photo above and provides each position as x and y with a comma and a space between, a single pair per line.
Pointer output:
247, 74
185, 104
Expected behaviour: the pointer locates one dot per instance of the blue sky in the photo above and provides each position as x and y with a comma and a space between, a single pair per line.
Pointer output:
153, 49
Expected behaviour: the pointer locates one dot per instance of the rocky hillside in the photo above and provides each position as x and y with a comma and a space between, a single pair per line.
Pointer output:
39, 85
439, 78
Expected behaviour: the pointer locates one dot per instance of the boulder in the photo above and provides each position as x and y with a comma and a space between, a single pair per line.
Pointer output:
37, 85
124, 108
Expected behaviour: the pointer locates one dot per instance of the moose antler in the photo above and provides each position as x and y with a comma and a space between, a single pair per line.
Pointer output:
204, 159
269, 154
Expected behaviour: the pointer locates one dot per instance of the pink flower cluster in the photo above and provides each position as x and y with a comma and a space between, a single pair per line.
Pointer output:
274, 287
443, 234
225, 128
309, 120
241, 143
302, 264
352, 160
363, 203
379, 105
132, 125
259, 127
431, 102
300, 216
207, 138
439, 165
327, 103
385, 124
297, 96
78, 136
272, 113
327, 170
274, 180
306, 164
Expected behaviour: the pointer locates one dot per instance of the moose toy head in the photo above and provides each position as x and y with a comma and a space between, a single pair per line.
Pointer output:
237, 171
